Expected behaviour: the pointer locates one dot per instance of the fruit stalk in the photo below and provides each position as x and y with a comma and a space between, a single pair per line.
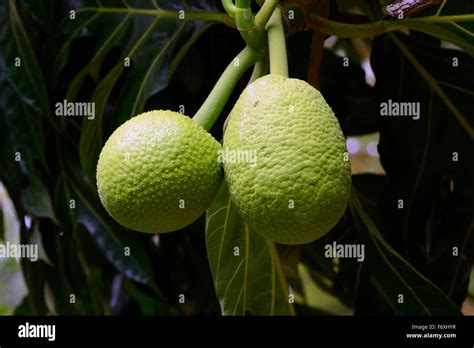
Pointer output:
254, 35
252, 29
277, 45
242, 3
266, 11
260, 69
210, 110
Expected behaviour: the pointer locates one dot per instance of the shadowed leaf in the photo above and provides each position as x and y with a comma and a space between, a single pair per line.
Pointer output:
393, 276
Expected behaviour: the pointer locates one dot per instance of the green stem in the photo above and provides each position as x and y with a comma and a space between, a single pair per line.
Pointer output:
266, 11
260, 69
242, 3
229, 7
277, 45
252, 29
210, 110
346, 30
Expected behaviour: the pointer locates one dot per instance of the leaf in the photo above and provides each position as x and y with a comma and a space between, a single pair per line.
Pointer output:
21, 137
392, 275
151, 70
90, 141
461, 35
112, 238
436, 189
435, 86
152, 39
35, 239
26, 79
317, 298
23, 100
452, 22
458, 34
110, 37
251, 282
36, 200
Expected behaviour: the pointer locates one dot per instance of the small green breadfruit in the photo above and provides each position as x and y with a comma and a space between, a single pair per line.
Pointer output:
158, 172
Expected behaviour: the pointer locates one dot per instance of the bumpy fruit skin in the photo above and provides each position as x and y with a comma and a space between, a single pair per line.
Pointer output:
300, 184
158, 172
